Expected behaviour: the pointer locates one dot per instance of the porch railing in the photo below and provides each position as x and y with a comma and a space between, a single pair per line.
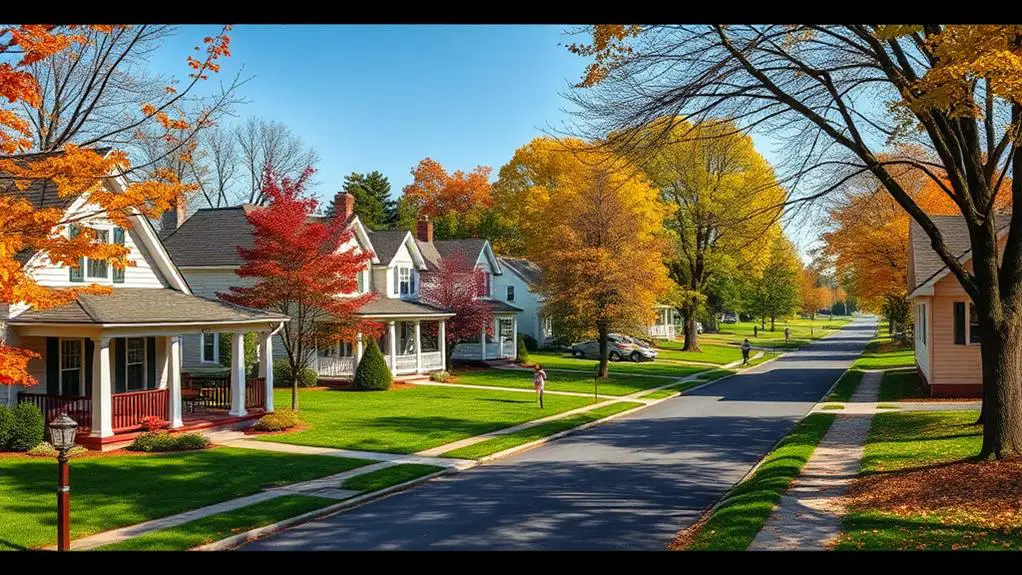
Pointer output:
661, 330
432, 360
255, 392
404, 364
335, 366
129, 409
79, 407
216, 390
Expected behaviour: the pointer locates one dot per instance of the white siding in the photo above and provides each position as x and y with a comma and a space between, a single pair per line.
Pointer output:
923, 325
528, 301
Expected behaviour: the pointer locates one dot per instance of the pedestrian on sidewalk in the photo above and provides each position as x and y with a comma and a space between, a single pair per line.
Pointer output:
539, 380
755, 332
787, 334
745, 351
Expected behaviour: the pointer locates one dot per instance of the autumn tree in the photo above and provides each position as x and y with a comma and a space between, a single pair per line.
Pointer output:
456, 202
596, 231
811, 298
373, 203
455, 286
776, 291
300, 267
953, 89
74, 166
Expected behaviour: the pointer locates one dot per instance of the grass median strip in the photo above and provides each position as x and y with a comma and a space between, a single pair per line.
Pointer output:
222, 525
389, 476
846, 386
507, 441
735, 523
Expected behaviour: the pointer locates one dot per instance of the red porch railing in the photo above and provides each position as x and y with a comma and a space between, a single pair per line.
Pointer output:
217, 390
130, 408
255, 392
79, 407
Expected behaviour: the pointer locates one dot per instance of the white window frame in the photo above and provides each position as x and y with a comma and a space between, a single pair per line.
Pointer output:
128, 363
109, 231
361, 277
509, 294
81, 362
216, 348
410, 282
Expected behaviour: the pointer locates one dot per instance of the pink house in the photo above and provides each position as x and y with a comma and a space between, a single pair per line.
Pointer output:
947, 341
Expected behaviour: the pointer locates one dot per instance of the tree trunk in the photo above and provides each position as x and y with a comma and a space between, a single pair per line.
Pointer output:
1002, 389
691, 334
771, 323
295, 373
762, 322
603, 329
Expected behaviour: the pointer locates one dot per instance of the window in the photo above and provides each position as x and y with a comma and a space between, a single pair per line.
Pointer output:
510, 293
71, 367
405, 281
135, 362
210, 348
98, 269
360, 282
487, 288
974, 336
959, 323
922, 323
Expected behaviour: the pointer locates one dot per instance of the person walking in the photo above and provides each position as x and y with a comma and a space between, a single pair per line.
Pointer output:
787, 334
538, 381
755, 332
745, 351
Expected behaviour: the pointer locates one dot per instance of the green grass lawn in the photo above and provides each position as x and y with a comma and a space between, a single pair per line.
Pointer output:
389, 476
115, 491
901, 385
803, 331
906, 441
884, 353
221, 525
734, 524
558, 381
715, 374
718, 354
846, 386
411, 419
507, 441
833, 406
550, 359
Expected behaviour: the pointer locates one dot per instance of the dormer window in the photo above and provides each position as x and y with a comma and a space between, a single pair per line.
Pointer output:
405, 281
90, 269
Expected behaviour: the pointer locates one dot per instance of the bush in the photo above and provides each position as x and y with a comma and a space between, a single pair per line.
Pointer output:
530, 342
439, 376
44, 449
277, 421
27, 427
6, 426
164, 441
523, 351
372, 373
282, 375
153, 423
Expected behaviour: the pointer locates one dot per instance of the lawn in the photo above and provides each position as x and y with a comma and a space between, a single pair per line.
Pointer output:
558, 381
803, 331
920, 491
551, 359
901, 385
884, 353
222, 525
745, 509
507, 441
410, 419
846, 386
389, 476
112, 491
718, 354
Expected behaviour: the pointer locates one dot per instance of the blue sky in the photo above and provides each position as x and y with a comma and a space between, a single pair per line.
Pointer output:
384, 97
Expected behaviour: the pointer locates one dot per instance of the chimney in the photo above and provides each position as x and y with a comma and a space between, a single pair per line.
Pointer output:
424, 229
174, 217
344, 205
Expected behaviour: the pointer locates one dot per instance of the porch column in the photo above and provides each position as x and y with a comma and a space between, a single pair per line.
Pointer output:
392, 344
498, 338
514, 336
238, 375
102, 389
358, 349
173, 367
442, 344
418, 346
482, 343
266, 367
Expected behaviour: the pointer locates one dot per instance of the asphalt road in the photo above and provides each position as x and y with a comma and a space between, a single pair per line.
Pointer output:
628, 484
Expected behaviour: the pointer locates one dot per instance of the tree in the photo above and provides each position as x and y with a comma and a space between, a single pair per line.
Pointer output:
954, 89
297, 267
74, 165
269, 145
811, 298
455, 286
597, 234
724, 200
372, 200
777, 290
896, 311
456, 202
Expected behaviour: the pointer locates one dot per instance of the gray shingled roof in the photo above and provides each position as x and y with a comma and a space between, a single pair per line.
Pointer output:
925, 262
429, 254
527, 270
394, 306
386, 243
497, 306
211, 237
469, 247
145, 305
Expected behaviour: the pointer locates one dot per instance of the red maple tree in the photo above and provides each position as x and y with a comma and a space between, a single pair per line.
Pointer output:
455, 286
302, 266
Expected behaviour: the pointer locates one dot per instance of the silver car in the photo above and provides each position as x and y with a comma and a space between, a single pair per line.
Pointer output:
620, 346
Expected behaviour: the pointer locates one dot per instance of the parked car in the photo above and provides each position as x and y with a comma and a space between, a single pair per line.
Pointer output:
699, 327
620, 346
729, 318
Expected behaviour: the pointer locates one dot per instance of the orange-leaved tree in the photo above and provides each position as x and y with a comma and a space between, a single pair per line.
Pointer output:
28, 225
457, 202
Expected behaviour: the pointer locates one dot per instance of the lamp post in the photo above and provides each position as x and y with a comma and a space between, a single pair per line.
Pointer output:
62, 437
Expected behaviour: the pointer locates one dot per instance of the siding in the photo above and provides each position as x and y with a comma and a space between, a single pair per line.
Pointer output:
950, 363
528, 320
922, 349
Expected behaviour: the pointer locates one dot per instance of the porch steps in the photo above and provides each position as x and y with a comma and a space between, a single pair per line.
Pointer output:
412, 379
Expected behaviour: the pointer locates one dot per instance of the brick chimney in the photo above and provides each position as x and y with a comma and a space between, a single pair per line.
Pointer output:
344, 205
424, 229
174, 217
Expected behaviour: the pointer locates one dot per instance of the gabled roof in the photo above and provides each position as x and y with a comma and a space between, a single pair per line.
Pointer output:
471, 248
927, 267
497, 306
384, 306
523, 268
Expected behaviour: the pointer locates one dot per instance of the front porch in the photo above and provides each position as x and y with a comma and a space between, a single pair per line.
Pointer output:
410, 347
498, 341
663, 324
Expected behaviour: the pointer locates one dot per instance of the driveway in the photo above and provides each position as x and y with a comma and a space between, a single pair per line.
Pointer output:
628, 484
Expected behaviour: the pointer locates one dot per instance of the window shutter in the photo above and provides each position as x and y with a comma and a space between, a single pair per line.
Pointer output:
118, 270
959, 323
77, 273
397, 280
52, 365
120, 366
90, 350
150, 360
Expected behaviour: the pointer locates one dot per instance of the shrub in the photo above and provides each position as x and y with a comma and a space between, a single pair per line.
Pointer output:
372, 373
164, 441
523, 352
277, 421
440, 376
282, 375
27, 427
530, 342
6, 425
153, 423
44, 449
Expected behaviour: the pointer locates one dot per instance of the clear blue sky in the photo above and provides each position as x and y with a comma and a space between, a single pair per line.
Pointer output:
384, 97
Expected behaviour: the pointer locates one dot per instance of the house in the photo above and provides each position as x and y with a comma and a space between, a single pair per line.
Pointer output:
663, 323
205, 246
946, 335
109, 361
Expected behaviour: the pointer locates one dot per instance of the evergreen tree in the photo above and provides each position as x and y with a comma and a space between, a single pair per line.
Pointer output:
373, 204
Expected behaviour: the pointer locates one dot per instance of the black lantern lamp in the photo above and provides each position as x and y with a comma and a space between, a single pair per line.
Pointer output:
62, 438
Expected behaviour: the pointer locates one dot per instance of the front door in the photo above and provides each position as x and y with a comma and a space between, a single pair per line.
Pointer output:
506, 334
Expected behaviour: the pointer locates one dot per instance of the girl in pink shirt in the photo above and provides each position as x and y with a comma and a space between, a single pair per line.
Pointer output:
538, 380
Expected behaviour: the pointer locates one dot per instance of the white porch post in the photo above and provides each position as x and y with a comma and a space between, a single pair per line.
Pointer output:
392, 345
358, 349
266, 367
514, 336
442, 344
418, 346
102, 389
498, 338
173, 363
482, 343
238, 374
